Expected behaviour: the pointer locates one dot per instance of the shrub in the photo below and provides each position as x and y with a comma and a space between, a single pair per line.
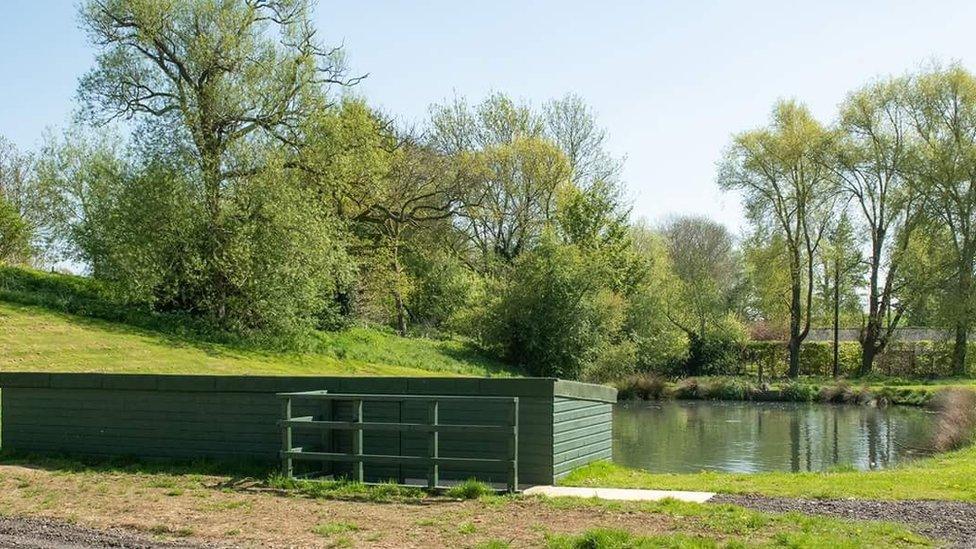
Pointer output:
799, 392
686, 389
642, 387
727, 389
555, 314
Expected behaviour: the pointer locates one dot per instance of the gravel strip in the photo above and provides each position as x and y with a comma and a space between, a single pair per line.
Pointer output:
952, 521
40, 533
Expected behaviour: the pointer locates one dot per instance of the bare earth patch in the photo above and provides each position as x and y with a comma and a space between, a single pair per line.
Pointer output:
195, 509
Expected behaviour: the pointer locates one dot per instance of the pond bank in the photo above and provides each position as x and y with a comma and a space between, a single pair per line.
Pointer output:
650, 387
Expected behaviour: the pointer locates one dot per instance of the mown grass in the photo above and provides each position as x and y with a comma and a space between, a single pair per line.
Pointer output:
38, 340
63, 323
950, 476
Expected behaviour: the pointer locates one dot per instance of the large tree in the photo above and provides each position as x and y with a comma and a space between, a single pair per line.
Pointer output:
943, 108
224, 94
789, 192
512, 173
873, 162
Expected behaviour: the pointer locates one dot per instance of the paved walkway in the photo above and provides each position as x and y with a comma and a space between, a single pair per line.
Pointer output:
619, 494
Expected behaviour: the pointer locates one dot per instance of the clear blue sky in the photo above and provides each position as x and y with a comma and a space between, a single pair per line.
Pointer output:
671, 81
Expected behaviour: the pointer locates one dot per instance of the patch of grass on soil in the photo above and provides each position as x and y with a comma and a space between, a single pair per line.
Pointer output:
469, 489
329, 529
346, 490
217, 508
950, 476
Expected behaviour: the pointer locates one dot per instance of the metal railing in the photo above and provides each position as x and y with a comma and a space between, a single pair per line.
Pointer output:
433, 427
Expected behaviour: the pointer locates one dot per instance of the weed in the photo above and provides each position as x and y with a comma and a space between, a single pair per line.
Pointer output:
469, 489
329, 529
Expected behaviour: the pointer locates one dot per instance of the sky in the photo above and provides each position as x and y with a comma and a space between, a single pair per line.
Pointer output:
670, 81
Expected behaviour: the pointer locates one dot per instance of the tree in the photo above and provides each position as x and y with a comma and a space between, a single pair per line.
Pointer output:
873, 162
18, 204
511, 174
572, 126
708, 271
419, 190
15, 234
841, 260
780, 171
226, 97
943, 110
232, 85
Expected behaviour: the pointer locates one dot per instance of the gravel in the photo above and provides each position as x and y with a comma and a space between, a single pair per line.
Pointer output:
39, 533
951, 521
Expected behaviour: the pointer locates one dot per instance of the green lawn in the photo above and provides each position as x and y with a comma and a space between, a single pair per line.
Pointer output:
950, 476
34, 339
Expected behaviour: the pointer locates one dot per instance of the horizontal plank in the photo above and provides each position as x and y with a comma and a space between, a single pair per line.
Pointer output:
350, 397
405, 427
382, 458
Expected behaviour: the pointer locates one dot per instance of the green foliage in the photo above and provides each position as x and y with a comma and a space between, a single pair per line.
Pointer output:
469, 489
718, 351
799, 392
550, 317
15, 234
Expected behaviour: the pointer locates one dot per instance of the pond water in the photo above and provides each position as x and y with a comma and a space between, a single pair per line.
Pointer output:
691, 436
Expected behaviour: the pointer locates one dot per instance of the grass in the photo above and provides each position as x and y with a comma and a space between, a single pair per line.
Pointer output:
346, 490
469, 489
329, 529
710, 525
950, 476
35, 339
63, 323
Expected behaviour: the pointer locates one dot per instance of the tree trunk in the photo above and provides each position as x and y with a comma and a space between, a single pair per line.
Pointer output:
796, 313
963, 319
836, 371
401, 309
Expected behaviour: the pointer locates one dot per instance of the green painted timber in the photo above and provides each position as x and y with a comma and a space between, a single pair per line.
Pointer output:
562, 424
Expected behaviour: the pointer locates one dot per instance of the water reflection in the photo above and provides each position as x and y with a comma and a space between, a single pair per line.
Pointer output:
689, 436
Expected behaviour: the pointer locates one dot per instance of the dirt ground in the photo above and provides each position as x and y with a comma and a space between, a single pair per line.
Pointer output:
210, 511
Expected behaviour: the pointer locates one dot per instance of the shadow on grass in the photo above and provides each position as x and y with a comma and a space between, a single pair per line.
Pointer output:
243, 476
237, 470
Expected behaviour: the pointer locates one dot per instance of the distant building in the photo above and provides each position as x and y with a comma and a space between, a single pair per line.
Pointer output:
901, 334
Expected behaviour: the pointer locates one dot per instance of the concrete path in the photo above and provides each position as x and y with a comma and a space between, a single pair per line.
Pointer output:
619, 494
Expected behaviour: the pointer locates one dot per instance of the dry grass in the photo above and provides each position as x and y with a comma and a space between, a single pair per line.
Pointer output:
956, 425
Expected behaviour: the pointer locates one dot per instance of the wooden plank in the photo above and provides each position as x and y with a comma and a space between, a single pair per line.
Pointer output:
382, 458
308, 423
355, 397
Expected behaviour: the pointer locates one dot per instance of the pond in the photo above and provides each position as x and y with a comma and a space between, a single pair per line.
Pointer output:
745, 437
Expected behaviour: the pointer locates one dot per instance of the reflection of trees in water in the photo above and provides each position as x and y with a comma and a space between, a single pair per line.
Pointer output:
691, 436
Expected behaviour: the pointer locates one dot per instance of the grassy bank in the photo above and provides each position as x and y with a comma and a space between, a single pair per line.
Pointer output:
33, 338
879, 391
196, 503
950, 476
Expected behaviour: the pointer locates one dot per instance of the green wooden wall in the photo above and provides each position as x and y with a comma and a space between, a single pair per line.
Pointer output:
562, 424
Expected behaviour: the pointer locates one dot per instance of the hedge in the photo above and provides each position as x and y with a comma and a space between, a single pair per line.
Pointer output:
910, 359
